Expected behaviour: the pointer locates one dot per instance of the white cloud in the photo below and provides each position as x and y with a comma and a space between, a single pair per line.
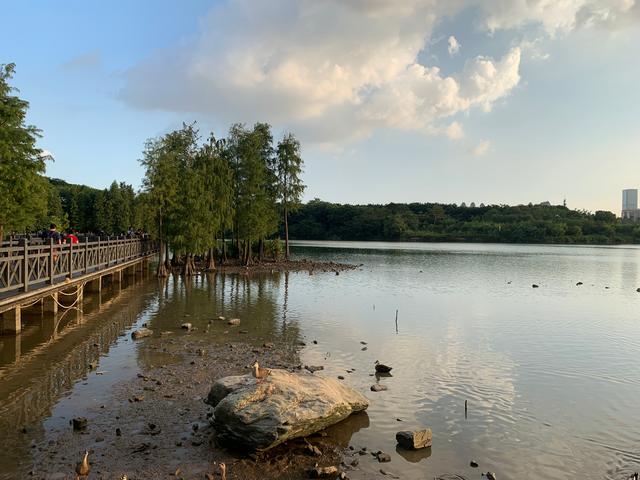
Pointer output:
333, 70
480, 149
453, 46
558, 16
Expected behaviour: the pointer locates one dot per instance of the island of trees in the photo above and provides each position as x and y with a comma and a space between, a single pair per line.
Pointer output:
235, 197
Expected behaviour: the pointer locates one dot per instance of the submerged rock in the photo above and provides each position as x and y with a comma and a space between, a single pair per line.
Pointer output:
414, 440
259, 414
141, 333
79, 424
377, 387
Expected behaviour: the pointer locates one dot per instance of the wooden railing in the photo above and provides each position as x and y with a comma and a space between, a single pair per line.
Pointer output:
28, 266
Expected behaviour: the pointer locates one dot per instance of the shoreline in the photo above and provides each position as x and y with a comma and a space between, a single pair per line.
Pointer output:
271, 266
153, 422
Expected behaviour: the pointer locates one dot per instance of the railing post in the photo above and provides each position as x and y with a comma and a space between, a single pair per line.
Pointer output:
25, 271
86, 254
98, 256
51, 262
70, 259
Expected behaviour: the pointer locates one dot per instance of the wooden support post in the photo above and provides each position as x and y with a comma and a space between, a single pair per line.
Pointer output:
94, 285
50, 303
11, 320
52, 265
86, 254
70, 259
25, 265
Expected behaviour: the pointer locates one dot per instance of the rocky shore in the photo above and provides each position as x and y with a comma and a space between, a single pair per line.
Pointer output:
158, 425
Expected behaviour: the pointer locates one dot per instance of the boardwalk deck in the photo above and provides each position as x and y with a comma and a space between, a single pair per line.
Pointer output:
29, 272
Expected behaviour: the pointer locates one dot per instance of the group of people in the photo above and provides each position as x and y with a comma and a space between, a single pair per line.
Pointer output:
60, 237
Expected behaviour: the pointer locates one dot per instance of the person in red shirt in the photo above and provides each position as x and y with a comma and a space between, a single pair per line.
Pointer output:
72, 238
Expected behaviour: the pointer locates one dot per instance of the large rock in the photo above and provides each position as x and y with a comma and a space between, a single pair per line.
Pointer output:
414, 440
260, 414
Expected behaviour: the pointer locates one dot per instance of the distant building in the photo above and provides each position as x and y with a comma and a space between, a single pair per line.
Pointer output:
630, 211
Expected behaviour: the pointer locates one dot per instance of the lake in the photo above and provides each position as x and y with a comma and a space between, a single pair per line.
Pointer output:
550, 374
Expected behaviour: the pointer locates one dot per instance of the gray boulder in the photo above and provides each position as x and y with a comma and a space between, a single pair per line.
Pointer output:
260, 414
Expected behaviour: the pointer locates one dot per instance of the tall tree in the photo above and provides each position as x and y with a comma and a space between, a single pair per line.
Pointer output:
161, 183
289, 165
23, 194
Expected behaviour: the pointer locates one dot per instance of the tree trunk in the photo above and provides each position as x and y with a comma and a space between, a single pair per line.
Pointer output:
224, 248
286, 233
167, 262
189, 265
211, 261
162, 269
247, 252
261, 249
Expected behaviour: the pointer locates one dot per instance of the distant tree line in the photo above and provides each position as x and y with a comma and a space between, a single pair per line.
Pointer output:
433, 222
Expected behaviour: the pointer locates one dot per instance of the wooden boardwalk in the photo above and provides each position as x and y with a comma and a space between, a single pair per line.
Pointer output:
38, 273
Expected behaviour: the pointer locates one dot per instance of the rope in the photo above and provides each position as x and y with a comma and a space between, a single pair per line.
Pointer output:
79, 292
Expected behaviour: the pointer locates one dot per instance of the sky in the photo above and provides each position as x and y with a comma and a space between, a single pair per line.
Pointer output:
485, 101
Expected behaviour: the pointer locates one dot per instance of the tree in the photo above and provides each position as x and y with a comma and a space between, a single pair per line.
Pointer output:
290, 187
23, 189
161, 184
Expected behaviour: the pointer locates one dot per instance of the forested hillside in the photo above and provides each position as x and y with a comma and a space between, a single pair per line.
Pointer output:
432, 222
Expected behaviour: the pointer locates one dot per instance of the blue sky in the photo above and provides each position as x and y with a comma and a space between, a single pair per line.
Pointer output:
528, 102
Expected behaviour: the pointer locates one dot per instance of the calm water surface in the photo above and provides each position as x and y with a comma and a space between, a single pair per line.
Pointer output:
551, 375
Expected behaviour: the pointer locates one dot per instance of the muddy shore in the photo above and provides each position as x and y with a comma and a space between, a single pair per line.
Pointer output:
155, 424
271, 266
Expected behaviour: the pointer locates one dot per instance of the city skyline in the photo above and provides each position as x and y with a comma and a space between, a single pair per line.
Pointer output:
425, 101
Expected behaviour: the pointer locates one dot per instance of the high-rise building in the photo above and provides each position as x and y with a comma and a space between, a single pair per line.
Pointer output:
630, 211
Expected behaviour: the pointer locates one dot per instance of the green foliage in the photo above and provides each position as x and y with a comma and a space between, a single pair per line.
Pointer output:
23, 189
320, 220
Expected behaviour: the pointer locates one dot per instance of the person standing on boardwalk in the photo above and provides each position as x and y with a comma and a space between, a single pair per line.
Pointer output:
54, 235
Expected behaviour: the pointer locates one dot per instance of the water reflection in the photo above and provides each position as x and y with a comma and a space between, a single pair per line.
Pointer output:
470, 328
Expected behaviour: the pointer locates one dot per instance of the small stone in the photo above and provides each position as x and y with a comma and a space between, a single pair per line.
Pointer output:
340, 377
186, 326
363, 343
314, 368
315, 342
323, 472
313, 450
355, 462
490, 476
141, 333
118, 432
138, 398
534, 286
221, 318
268, 345
376, 387
234, 321
383, 457
578, 284
93, 365
414, 440
473, 464
79, 423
